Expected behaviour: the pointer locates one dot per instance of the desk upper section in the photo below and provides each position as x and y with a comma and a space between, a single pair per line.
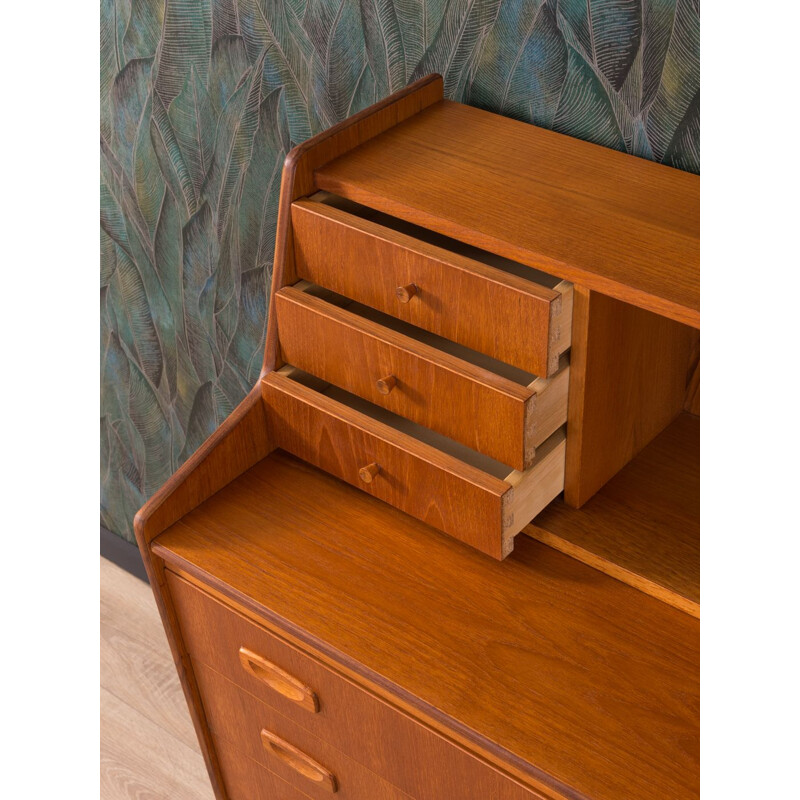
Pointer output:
626, 227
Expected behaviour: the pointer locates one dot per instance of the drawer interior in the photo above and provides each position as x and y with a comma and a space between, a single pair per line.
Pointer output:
455, 349
418, 432
437, 239
508, 310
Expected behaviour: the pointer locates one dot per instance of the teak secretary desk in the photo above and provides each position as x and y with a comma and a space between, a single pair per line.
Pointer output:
469, 317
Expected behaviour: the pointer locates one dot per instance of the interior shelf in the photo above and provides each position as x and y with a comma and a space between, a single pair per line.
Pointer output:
589, 212
567, 674
643, 526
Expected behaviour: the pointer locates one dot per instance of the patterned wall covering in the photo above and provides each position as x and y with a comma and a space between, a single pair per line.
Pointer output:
201, 100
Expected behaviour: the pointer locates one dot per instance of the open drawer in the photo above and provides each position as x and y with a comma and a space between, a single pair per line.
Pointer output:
452, 488
510, 312
487, 405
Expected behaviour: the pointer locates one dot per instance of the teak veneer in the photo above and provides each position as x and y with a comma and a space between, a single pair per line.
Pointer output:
565, 671
627, 229
457, 335
643, 526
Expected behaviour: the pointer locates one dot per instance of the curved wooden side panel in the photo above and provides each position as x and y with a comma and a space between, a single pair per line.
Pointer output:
237, 444
243, 439
298, 175
240, 442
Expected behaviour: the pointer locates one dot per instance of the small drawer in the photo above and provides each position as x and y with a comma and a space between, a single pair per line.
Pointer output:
450, 487
245, 779
388, 742
492, 310
497, 415
283, 747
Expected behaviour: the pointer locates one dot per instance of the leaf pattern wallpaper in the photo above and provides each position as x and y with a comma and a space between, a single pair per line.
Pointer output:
202, 99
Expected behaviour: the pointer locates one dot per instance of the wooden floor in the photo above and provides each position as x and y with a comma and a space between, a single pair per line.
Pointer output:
148, 746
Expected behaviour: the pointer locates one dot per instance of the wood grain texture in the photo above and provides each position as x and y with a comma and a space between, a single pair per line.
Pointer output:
297, 179
138, 759
692, 401
235, 446
240, 718
628, 377
248, 780
467, 301
643, 526
366, 728
533, 489
559, 671
293, 757
547, 412
148, 746
363, 726
467, 403
620, 225
277, 679
135, 660
419, 479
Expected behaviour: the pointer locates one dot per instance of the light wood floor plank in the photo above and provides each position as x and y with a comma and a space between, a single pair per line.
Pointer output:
135, 660
140, 761
149, 749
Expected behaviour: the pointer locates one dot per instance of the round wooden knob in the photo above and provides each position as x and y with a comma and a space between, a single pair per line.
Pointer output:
385, 385
405, 293
368, 473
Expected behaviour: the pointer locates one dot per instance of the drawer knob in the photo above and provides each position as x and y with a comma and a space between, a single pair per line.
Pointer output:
368, 473
278, 680
299, 761
385, 385
405, 293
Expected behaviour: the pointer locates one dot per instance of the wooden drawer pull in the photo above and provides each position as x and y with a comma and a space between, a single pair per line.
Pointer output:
368, 473
278, 679
405, 293
385, 385
298, 761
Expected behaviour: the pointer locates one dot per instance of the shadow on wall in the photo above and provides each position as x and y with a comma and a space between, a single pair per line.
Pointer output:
200, 103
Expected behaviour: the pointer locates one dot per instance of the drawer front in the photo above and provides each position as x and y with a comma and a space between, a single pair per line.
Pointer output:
245, 779
484, 411
482, 307
411, 475
257, 731
386, 741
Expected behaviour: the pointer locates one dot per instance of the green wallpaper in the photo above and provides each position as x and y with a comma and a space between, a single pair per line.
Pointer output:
201, 99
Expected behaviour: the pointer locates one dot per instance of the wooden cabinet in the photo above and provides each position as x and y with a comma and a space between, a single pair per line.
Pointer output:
447, 548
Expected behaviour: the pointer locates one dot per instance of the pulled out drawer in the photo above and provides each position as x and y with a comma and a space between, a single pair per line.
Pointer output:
499, 411
450, 487
524, 321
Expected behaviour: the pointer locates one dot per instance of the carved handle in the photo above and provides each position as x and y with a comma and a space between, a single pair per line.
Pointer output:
299, 761
368, 473
385, 385
279, 680
405, 293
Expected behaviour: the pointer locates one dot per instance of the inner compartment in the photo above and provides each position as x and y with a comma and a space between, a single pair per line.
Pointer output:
419, 432
437, 239
413, 332
643, 526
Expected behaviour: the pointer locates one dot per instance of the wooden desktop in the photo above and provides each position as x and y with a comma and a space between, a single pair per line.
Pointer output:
448, 547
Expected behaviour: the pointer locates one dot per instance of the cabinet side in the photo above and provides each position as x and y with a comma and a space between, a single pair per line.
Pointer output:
629, 373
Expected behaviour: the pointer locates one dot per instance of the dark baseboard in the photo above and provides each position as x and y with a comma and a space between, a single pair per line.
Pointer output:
122, 553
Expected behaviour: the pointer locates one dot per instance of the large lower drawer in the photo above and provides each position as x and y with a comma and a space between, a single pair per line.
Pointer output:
473, 502
491, 310
385, 740
305, 761
488, 412
245, 779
